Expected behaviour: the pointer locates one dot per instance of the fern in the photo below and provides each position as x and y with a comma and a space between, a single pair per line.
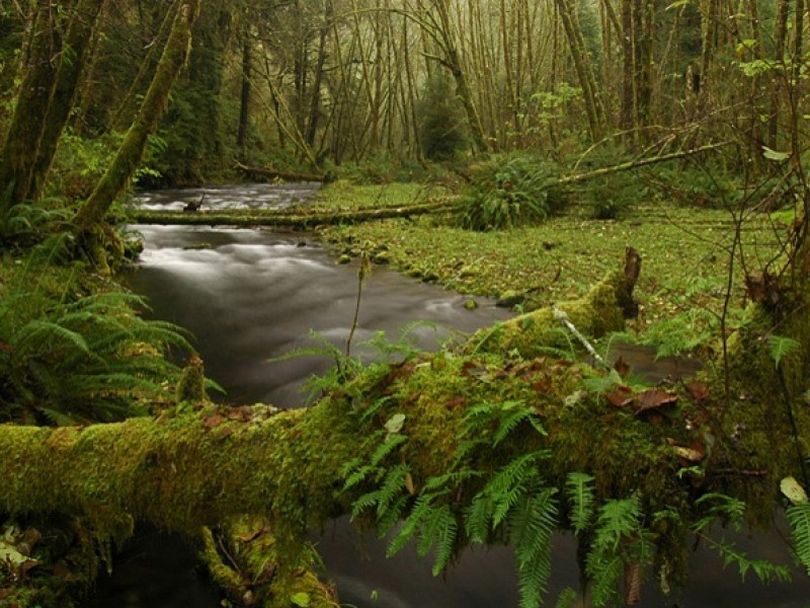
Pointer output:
766, 571
579, 491
531, 528
798, 517
618, 521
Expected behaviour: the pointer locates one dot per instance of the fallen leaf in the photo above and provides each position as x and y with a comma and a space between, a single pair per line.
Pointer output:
688, 454
455, 402
632, 584
395, 423
653, 399
622, 367
212, 421
621, 396
409, 485
793, 490
699, 391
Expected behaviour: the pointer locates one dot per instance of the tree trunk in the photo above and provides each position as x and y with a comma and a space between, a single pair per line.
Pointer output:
244, 99
780, 39
582, 64
21, 146
77, 40
126, 160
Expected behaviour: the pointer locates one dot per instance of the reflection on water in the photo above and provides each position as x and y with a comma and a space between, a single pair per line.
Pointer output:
250, 295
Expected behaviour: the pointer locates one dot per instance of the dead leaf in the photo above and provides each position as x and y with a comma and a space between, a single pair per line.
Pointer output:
251, 536
455, 402
621, 396
212, 421
5, 346
409, 485
653, 399
699, 391
622, 367
632, 584
688, 454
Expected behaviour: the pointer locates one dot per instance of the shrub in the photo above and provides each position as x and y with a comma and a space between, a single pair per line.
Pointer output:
442, 124
509, 191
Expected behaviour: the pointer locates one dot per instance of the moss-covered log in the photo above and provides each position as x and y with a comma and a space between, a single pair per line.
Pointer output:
301, 218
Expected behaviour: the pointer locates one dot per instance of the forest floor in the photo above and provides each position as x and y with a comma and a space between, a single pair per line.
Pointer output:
686, 253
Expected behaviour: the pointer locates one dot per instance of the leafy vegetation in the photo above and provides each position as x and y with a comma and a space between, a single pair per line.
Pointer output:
510, 191
67, 357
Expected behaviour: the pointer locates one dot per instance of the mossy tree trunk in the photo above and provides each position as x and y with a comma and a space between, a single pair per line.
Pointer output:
129, 155
22, 140
77, 41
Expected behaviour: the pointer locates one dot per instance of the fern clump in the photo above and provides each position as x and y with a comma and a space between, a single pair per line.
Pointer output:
510, 191
66, 358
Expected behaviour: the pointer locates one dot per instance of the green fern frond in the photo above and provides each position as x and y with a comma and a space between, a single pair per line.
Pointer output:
531, 528
798, 517
568, 598
580, 494
421, 510
617, 518
392, 486
391, 443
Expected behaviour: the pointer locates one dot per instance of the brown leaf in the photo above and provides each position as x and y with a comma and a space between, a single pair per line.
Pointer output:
212, 421
653, 399
699, 391
409, 485
688, 454
252, 535
632, 584
621, 396
5, 346
454, 402
622, 367
240, 414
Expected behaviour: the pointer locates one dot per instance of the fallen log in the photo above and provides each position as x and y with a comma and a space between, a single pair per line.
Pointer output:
301, 218
273, 174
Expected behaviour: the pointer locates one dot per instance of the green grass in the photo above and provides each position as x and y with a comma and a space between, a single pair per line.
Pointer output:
345, 196
684, 251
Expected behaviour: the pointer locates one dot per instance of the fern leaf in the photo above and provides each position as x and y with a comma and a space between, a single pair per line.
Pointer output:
579, 491
386, 447
798, 517
531, 530
393, 485
445, 532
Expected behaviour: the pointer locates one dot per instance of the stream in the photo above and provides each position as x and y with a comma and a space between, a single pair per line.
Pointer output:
251, 295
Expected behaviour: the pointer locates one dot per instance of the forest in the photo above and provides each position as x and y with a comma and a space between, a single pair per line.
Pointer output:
517, 281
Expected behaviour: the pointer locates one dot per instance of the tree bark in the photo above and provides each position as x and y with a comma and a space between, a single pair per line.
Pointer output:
590, 91
22, 140
77, 40
244, 99
129, 155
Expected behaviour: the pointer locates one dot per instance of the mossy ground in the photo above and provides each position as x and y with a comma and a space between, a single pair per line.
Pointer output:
685, 252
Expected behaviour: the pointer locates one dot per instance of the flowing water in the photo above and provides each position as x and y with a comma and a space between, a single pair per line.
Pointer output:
251, 295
